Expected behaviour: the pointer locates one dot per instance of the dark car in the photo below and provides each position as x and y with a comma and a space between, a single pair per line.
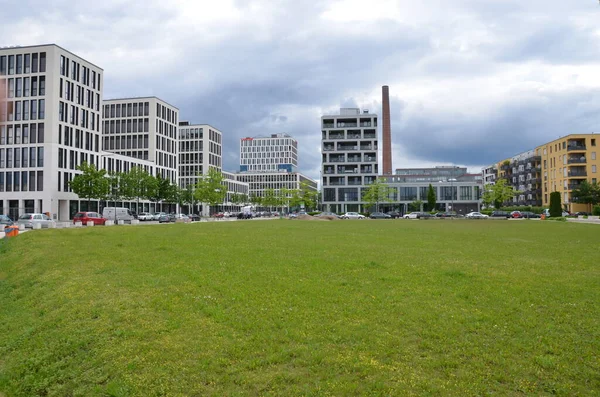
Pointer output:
582, 213
500, 214
529, 215
194, 217
5, 221
424, 215
445, 214
85, 217
395, 214
244, 215
165, 218
379, 215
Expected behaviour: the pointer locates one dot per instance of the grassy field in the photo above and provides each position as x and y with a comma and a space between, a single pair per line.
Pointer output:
302, 308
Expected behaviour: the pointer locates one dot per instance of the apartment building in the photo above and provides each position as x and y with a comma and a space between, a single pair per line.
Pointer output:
276, 153
200, 149
349, 158
50, 123
489, 174
523, 173
567, 162
144, 128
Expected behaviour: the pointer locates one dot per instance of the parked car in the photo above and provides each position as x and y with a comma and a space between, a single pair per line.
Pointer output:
529, 215
445, 214
581, 213
165, 218
181, 218
219, 215
5, 221
501, 214
476, 215
352, 215
194, 217
379, 215
145, 216
515, 214
394, 214
244, 215
85, 217
158, 215
412, 215
547, 213
28, 220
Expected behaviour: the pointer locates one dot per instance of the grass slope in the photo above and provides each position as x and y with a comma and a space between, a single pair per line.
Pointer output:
302, 308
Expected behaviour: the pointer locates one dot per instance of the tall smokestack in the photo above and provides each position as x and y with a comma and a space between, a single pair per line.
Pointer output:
387, 131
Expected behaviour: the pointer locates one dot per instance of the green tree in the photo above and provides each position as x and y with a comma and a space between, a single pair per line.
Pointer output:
378, 192
210, 188
270, 198
186, 197
309, 196
114, 188
163, 191
91, 183
431, 199
587, 193
555, 204
137, 184
498, 193
416, 205
254, 199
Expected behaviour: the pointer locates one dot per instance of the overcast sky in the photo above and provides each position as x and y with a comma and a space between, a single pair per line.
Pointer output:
471, 81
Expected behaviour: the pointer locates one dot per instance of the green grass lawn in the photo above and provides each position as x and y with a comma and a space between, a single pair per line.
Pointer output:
302, 308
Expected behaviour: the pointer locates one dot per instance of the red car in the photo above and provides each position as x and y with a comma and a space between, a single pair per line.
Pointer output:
85, 217
516, 214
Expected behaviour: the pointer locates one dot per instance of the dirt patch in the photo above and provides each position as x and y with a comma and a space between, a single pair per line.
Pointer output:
317, 218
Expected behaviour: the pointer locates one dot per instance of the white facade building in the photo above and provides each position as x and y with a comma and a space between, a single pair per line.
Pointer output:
49, 124
144, 128
199, 150
276, 153
349, 165
259, 182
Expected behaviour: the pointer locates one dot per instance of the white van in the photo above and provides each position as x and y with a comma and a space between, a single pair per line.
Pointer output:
118, 214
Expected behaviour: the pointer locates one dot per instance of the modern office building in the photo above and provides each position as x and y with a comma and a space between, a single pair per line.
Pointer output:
199, 150
455, 189
349, 158
275, 153
144, 128
565, 163
260, 182
50, 123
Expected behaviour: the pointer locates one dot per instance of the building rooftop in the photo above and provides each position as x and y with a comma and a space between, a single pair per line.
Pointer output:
15, 47
137, 98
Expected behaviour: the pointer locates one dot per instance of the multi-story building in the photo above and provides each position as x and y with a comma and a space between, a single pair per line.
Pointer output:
565, 163
260, 182
455, 189
144, 128
50, 123
199, 150
489, 174
276, 153
523, 173
349, 158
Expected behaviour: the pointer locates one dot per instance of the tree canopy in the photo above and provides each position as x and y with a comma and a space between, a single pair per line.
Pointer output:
91, 183
377, 192
498, 193
210, 188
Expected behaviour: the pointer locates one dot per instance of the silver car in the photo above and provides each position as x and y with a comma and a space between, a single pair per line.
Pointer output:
352, 215
28, 220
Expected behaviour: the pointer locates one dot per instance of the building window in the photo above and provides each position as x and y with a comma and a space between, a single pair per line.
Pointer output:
593, 169
593, 155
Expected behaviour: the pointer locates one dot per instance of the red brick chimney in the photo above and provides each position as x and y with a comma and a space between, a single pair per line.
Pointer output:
387, 131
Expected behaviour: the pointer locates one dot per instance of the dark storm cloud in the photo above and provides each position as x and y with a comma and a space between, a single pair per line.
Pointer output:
261, 67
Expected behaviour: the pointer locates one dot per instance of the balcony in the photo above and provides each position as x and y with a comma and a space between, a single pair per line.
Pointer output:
576, 148
328, 125
354, 181
369, 135
577, 160
342, 170
505, 167
328, 148
346, 148
366, 147
345, 124
336, 136
365, 124
354, 159
336, 160
573, 186
329, 171
577, 174
370, 159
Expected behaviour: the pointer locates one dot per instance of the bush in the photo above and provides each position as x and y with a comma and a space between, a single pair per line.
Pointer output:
313, 213
596, 210
486, 212
557, 218
555, 205
585, 217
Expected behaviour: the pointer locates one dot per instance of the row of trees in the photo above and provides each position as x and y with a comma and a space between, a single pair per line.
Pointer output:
138, 184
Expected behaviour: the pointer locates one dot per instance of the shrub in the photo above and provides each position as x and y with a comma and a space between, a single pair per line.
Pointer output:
486, 212
557, 218
555, 205
585, 217
313, 213
596, 210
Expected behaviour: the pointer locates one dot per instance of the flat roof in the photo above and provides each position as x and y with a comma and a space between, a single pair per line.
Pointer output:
139, 97
49, 45
198, 125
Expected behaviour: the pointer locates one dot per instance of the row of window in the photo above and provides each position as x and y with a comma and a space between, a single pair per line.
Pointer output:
409, 193
119, 110
126, 126
22, 133
79, 73
191, 133
76, 116
24, 87
214, 160
22, 181
266, 155
269, 142
34, 109
71, 159
214, 148
166, 129
166, 144
166, 160
22, 157
22, 63
79, 95
125, 142
165, 113
119, 165
78, 139
190, 146
268, 149
190, 158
